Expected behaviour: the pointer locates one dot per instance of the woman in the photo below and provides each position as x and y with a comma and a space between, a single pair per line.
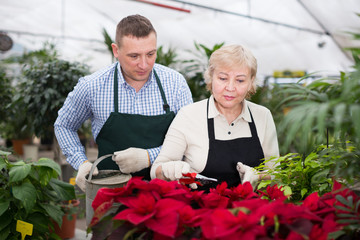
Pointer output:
224, 136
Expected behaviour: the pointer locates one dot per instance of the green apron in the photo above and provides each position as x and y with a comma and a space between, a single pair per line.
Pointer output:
122, 131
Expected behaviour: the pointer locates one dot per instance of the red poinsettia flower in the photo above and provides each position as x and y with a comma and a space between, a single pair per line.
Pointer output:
317, 205
223, 224
251, 204
100, 211
172, 189
213, 200
154, 214
166, 218
140, 208
318, 233
242, 191
274, 193
107, 195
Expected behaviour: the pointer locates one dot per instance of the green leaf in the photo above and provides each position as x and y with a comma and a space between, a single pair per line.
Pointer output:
19, 172
4, 233
54, 211
342, 208
3, 164
320, 177
303, 192
344, 201
26, 193
346, 215
287, 191
348, 221
65, 191
47, 162
355, 116
339, 116
5, 220
4, 206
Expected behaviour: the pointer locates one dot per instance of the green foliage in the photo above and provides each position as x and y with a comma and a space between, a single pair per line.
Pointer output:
166, 58
108, 41
31, 192
44, 90
301, 176
349, 214
320, 108
195, 68
15, 123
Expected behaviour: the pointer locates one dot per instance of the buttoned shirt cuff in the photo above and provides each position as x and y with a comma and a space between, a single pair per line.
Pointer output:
153, 153
76, 160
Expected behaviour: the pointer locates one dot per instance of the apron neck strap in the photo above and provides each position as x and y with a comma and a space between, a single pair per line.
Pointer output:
211, 131
116, 94
116, 97
166, 105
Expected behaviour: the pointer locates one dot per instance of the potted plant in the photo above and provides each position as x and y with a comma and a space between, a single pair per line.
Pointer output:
67, 229
31, 192
167, 210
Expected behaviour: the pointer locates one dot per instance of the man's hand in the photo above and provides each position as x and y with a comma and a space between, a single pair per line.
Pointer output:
132, 159
84, 170
247, 174
174, 170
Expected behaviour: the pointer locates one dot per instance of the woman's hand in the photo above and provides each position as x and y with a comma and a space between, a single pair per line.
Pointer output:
174, 170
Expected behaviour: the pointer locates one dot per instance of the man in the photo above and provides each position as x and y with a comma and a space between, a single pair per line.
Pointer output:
130, 103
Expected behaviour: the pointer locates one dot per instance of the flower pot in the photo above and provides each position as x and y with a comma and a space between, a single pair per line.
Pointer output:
31, 152
18, 145
67, 229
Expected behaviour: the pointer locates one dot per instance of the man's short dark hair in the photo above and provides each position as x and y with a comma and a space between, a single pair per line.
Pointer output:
133, 25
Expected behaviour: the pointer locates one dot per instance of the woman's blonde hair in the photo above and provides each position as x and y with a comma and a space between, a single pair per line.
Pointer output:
232, 55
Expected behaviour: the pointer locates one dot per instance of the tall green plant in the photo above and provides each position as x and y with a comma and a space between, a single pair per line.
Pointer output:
194, 69
166, 58
31, 192
323, 110
44, 89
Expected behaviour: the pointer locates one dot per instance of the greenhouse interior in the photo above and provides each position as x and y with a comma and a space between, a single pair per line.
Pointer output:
298, 178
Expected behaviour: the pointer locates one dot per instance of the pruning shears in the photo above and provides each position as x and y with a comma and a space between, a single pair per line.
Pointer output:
197, 178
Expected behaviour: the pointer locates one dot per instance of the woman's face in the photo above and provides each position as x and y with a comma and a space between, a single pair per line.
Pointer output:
230, 86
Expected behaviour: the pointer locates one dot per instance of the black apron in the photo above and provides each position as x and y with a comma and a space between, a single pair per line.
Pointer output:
122, 131
224, 155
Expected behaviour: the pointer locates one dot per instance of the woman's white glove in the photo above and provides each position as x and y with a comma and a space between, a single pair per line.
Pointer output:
84, 170
247, 174
174, 170
132, 159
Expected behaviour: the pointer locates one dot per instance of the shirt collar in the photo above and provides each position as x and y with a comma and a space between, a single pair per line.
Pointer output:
213, 112
121, 78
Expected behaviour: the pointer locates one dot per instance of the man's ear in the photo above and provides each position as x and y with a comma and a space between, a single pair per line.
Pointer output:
115, 49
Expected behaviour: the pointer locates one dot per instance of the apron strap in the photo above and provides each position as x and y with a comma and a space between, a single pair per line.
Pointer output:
116, 94
166, 105
210, 122
211, 130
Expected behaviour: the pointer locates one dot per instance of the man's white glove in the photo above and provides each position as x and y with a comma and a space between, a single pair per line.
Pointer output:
174, 170
247, 174
84, 170
132, 159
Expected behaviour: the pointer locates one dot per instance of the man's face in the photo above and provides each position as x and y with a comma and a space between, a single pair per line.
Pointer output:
136, 56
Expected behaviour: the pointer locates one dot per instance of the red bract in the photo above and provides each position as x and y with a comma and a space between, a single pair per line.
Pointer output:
223, 224
214, 200
166, 218
153, 214
140, 208
107, 195
242, 191
166, 210
274, 193
100, 211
